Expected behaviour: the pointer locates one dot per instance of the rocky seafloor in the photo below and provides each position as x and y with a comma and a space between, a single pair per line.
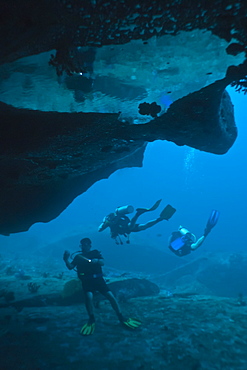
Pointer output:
180, 330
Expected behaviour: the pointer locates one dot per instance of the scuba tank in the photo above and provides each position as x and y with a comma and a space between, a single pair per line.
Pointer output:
181, 241
187, 234
120, 211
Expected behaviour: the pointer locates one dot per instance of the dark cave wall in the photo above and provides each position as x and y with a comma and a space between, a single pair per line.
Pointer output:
48, 158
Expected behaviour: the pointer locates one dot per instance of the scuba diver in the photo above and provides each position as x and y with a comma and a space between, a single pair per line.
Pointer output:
183, 242
120, 224
88, 264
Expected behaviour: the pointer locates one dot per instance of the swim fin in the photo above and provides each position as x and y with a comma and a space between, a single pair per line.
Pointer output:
167, 212
88, 328
212, 221
153, 208
131, 323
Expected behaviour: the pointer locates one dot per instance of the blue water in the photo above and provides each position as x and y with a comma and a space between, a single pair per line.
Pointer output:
193, 182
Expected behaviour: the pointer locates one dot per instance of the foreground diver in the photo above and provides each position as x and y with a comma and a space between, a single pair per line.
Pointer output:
89, 270
120, 224
183, 242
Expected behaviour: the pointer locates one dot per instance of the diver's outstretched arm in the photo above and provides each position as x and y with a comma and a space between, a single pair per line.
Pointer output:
104, 225
198, 243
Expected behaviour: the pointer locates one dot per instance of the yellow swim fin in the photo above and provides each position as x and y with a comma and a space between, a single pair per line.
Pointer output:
88, 328
131, 323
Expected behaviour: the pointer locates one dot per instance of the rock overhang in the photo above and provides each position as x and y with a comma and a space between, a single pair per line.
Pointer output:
44, 153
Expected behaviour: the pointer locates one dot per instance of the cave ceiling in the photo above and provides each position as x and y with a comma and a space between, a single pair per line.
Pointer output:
85, 85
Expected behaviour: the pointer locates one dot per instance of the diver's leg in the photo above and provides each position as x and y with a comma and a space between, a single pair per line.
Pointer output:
89, 327
147, 225
197, 244
89, 303
139, 212
132, 223
109, 295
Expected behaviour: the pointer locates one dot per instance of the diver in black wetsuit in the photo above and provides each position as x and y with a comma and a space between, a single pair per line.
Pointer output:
89, 270
120, 224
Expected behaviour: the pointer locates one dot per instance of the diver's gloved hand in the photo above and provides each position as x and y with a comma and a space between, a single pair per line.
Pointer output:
66, 255
94, 260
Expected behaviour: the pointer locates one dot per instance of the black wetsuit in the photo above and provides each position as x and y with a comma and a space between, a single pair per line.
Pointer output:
90, 273
119, 226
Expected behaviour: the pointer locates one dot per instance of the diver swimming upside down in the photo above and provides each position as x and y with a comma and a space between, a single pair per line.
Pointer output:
183, 242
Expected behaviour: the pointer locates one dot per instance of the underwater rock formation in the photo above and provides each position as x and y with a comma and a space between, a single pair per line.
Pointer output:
222, 275
49, 158
123, 289
193, 332
43, 154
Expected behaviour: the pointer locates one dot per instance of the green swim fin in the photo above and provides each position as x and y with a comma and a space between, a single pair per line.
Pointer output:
131, 323
153, 208
88, 328
167, 212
